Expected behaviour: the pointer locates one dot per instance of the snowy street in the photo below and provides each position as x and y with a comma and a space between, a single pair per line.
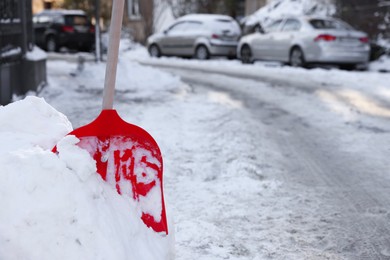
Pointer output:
332, 166
260, 162
195, 130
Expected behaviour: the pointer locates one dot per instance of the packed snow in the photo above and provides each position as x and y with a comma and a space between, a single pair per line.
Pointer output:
58, 207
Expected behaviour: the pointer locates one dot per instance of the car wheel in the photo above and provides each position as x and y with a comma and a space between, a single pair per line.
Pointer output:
246, 55
154, 51
202, 53
297, 58
51, 44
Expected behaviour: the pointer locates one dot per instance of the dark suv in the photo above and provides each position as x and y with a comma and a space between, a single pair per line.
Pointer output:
54, 29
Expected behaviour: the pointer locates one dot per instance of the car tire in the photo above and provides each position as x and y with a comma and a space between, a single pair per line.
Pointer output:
51, 44
297, 58
348, 67
202, 53
246, 55
154, 51
89, 47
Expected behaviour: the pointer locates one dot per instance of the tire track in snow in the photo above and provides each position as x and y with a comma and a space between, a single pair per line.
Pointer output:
316, 165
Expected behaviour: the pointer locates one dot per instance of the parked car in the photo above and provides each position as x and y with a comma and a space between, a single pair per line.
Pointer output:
54, 29
299, 41
197, 35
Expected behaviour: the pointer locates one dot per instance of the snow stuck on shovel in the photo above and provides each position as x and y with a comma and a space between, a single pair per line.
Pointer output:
118, 174
58, 207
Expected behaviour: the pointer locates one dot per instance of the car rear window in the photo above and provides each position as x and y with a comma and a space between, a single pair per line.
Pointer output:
223, 20
328, 24
76, 20
225, 25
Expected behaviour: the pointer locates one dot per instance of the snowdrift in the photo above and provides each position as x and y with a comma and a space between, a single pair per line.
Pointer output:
57, 206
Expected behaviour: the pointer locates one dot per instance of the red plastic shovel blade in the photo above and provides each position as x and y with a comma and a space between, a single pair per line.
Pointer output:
128, 158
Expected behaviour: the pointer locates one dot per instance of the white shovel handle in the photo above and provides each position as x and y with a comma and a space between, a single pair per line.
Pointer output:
113, 50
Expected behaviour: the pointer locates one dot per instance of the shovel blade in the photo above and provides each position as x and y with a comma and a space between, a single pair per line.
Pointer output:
130, 160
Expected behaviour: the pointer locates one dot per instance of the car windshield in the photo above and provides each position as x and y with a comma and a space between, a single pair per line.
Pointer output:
76, 20
41, 19
273, 26
329, 24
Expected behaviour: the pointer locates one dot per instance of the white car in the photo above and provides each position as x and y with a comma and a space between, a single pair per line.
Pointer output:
302, 40
197, 35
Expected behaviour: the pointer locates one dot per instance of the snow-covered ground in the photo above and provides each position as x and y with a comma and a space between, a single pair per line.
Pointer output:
57, 207
218, 176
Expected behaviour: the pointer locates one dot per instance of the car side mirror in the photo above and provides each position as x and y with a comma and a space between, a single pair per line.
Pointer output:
259, 29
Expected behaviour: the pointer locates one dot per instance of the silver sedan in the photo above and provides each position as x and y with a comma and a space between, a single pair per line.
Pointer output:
299, 41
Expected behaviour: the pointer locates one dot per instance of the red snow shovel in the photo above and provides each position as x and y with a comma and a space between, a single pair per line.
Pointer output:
126, 155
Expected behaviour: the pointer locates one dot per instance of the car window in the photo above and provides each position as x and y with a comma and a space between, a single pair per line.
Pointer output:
179, 27
221, 25
274, 26
58, 19
42, 19
192, 25
291, 25
328, 24
76, 20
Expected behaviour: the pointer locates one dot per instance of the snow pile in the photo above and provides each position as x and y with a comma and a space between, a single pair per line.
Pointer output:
279, 8
135, 79
36, 54
57, 207
132, 79
31, 123
382, 64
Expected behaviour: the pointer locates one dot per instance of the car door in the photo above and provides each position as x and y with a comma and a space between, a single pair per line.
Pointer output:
172, 42
192, 32
262, 44
41, 24
284, 39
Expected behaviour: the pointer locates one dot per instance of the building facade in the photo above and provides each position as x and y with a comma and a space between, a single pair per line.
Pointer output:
40, 5
139, 18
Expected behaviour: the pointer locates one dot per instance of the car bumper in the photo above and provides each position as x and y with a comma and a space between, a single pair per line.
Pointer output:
74, 40
222, 50
340, 55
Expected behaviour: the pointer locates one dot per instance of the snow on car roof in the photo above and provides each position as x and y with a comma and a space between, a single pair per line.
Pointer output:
204, 17
63, 11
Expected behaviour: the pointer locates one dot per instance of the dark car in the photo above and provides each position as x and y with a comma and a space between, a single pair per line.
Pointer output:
54, 29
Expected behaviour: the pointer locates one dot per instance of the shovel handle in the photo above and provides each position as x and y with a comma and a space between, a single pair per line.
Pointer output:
113, 50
